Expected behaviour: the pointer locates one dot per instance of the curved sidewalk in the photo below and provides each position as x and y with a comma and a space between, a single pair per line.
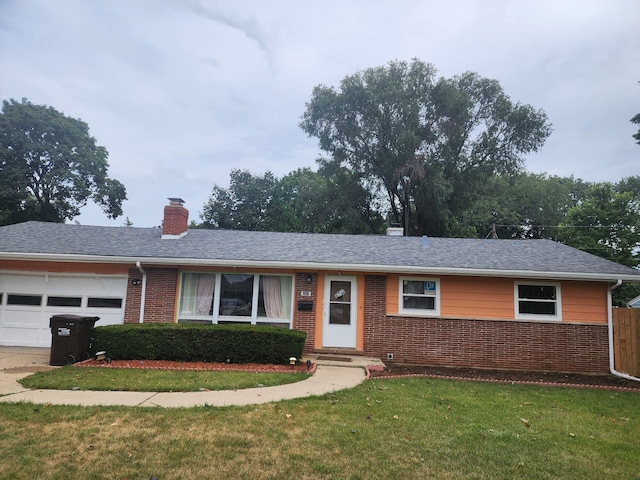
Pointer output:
326, 379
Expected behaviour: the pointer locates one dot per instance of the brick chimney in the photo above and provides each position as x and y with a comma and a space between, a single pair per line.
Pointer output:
176, 219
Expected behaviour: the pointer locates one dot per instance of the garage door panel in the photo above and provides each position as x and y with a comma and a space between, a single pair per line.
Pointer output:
18, 337
26, 318
28, 325
106, 318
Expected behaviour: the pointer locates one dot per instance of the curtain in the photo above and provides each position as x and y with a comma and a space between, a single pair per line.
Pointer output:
272, 294
276, 294
197, 294
205, 294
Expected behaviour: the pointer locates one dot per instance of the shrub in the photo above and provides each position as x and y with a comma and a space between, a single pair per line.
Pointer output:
192, 342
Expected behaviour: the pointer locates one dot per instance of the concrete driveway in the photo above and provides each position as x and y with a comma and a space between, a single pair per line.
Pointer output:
18, 362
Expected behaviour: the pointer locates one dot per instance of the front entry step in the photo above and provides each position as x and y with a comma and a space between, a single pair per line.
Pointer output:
342, 360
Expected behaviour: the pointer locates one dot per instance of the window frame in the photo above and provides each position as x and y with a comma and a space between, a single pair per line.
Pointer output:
254, 318
557, 317
13, 300
419, 312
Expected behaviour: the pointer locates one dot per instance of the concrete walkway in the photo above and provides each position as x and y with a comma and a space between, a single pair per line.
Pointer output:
18, 362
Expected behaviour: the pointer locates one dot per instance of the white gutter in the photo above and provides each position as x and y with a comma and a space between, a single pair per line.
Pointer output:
143, 294
612, 365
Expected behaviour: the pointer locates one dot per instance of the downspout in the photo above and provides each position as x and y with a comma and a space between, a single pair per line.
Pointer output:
143, 294
612, 365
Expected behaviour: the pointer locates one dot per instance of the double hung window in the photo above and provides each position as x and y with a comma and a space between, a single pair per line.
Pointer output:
419, 296
538, 301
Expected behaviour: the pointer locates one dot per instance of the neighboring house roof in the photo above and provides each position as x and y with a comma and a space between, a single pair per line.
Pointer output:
368, 253
634, 302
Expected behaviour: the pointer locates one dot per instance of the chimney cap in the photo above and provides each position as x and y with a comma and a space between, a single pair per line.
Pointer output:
175, 201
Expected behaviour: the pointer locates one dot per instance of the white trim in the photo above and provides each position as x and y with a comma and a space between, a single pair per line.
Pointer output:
533, 316
435, 312
410, 270
172, 236
143, 291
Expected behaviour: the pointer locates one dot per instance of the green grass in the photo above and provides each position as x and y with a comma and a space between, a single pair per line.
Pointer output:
383, 429
67, 378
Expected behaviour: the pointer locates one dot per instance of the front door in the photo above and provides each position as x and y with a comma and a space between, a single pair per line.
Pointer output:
339, 312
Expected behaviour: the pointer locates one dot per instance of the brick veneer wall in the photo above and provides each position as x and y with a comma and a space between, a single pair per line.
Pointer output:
134, 293
563, 347
304, 320
160, 298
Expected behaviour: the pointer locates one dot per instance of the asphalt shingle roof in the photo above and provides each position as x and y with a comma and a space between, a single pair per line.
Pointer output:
55, 241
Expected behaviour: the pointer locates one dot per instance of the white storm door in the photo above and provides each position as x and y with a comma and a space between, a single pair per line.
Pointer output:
339, 317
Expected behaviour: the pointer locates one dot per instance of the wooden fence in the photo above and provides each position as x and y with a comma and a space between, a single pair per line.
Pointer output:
626, 340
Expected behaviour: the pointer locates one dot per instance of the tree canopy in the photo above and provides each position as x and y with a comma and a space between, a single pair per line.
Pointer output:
427, 145
302, 201
50, 166
636, 120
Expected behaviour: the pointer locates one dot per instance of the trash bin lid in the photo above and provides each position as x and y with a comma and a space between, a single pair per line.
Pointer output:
66, 316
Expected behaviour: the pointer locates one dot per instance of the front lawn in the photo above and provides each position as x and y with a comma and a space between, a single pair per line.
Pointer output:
142, 380
382, 429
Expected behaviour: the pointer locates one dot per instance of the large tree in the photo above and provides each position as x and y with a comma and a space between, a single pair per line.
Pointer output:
327, 201
246, 205
607, 223
302, 201
50, 166
526, 205
426, 145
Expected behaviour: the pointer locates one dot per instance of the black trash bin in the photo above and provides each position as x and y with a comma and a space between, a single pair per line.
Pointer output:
70, 338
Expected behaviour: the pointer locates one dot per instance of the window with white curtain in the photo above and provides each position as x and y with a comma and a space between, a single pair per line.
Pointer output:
196, 294
236, 298
274, 297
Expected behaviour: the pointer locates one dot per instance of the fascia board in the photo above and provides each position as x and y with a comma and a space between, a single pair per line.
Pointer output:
367, 268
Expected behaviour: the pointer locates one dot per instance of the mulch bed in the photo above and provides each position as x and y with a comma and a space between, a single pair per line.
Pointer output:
503, 376
196, 366
390, 371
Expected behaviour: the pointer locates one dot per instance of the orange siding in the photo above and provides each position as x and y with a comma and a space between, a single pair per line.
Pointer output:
392, 293
465, 297
476, 297
493, 298
64, 267
584, 302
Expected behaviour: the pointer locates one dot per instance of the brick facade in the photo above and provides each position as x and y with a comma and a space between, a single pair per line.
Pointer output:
134, 294
304, 320
160, 297
516, 345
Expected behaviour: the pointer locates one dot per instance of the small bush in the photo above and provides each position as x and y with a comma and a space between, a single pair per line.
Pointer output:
192, 343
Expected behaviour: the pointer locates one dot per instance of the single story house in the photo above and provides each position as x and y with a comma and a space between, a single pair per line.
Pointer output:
509, 304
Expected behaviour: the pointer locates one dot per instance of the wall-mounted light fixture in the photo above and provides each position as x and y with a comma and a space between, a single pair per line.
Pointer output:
135, 281
309, 278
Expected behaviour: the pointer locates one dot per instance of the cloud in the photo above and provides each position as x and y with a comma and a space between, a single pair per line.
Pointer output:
182, 92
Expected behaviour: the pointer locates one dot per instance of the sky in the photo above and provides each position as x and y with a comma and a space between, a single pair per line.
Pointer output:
180, 92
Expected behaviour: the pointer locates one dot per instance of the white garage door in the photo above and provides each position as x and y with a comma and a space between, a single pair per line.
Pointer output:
27, 302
